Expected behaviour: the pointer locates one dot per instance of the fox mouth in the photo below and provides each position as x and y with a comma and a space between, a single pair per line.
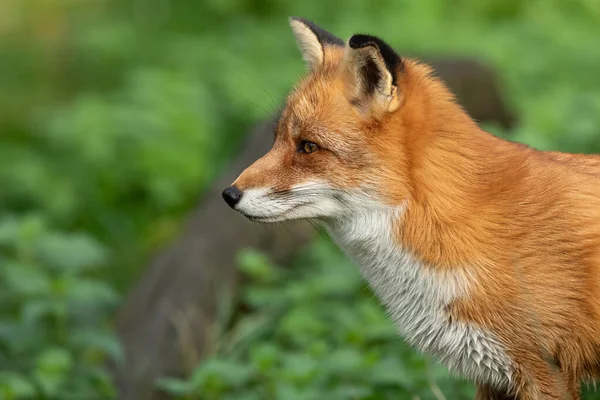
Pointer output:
264, 220
277, 217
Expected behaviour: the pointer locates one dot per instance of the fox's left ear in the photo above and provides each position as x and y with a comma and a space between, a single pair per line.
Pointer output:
313, 41
372, 68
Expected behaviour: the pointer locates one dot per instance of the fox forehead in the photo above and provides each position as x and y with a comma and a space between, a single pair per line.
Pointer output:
318, 110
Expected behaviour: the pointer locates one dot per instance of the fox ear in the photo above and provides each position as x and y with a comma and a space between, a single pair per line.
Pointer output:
312, 41
372, 67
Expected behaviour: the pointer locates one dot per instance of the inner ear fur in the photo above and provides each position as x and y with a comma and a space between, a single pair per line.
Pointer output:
373, 67
313, 40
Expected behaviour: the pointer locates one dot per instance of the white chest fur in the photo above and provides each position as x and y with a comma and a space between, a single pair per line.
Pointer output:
416, 298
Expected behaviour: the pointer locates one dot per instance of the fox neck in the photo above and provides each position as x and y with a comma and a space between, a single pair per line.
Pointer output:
462, 180
416, 296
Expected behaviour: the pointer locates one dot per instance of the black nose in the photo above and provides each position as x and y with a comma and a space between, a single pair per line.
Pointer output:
232, 196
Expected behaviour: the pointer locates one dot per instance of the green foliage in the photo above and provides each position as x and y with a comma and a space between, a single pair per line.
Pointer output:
314, 331
54, 340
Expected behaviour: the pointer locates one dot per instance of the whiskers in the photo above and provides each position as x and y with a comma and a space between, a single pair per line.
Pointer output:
311, 193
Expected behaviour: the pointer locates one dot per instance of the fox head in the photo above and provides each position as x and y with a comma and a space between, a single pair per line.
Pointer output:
344, 137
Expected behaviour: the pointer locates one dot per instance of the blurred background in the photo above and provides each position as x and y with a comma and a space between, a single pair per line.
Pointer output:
122, 272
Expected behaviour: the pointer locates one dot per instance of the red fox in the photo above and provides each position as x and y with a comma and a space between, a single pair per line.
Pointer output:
485, 252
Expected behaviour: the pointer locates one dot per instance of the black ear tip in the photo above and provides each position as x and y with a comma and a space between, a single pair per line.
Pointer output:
301, 20
391, 59
322, 35
359, 40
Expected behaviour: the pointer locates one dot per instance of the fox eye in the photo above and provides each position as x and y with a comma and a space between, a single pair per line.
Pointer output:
308, 147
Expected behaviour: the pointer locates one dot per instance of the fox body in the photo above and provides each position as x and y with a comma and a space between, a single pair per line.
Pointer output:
485, 252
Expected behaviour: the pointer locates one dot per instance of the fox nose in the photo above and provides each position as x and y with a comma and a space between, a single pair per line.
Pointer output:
232, 196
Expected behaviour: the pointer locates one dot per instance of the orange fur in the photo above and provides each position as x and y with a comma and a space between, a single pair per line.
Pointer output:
529, 221
526, 222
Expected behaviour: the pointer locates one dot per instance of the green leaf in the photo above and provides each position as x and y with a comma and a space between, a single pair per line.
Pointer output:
25, 280
54, 359
70, 252
227, 372
16, 386
299, 368
35, 310
348, 390
31, 227
175, 386
245, 395
346, 362
52, 369
95, 340
302, 322
265, 356
286, 391
391, 371
256, 265
102, 380
89, 292
9, 230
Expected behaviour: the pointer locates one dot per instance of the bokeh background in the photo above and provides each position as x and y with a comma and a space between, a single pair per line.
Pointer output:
117, 116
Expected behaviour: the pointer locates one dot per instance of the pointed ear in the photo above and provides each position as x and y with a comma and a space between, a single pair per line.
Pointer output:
372, 67
312, 41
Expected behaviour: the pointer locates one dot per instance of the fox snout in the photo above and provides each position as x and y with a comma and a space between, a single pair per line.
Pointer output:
232, 196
